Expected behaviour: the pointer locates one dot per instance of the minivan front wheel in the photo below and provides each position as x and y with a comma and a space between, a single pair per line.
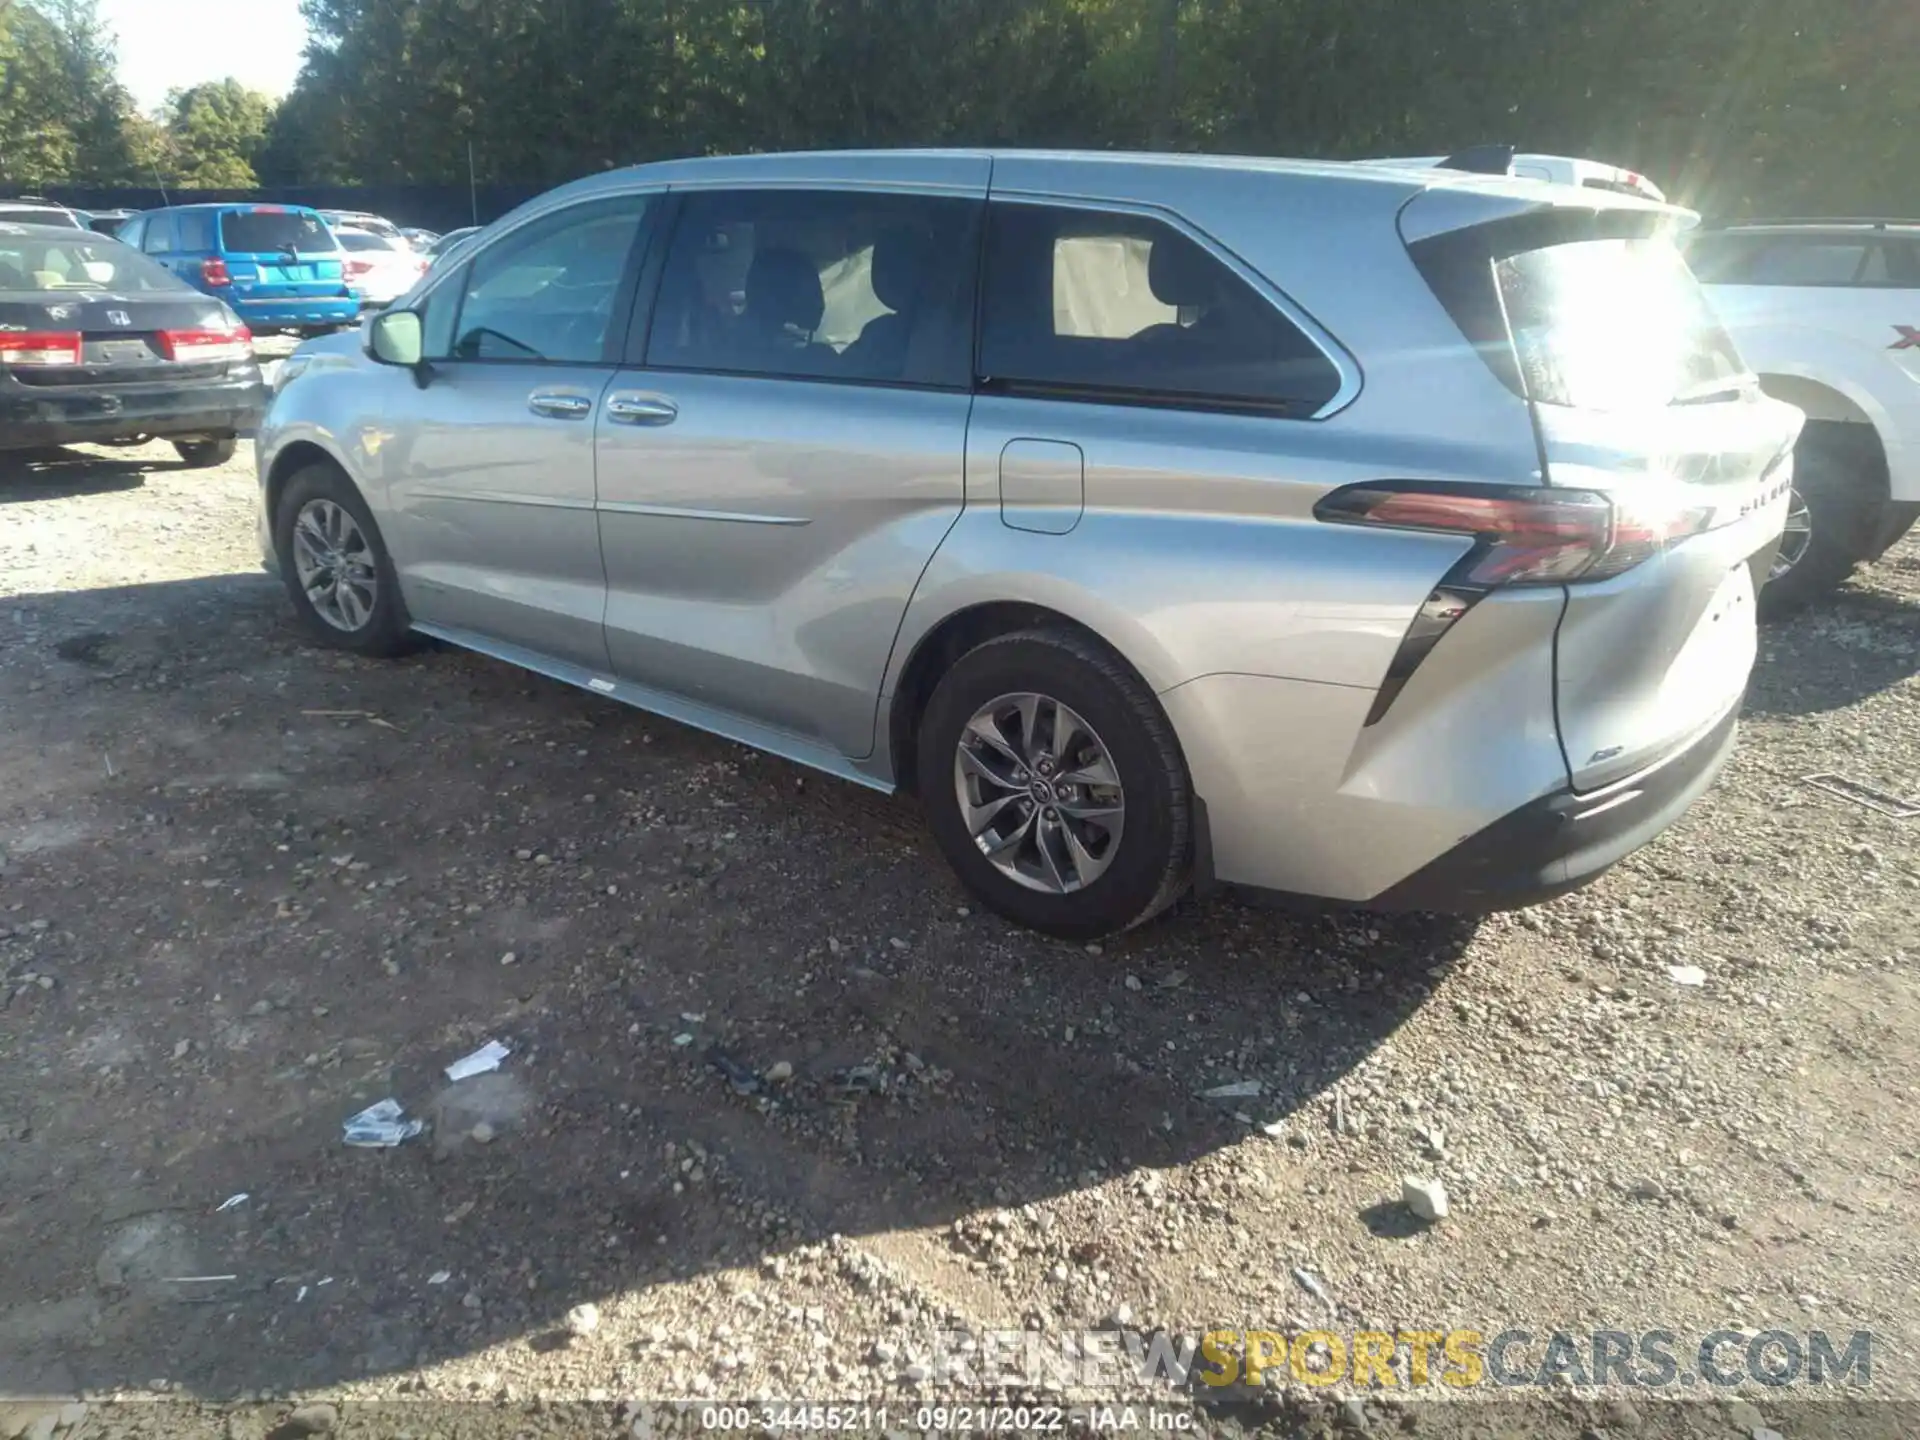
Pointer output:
336, 567
1055, 786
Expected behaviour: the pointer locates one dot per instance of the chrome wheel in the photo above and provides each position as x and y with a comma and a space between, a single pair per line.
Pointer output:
335, 565
1794, 539
1039, 793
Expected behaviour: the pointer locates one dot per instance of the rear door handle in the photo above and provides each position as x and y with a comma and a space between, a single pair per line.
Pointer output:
642, 410
559, 406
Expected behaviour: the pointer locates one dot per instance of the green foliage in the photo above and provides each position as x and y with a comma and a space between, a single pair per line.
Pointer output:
1729, 104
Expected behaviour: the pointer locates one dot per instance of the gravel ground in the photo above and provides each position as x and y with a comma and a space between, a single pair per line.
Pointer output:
247, 888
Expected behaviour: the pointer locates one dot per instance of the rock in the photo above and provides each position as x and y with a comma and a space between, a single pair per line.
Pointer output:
318, 1419
1744, 1418
1120, 1317
583, 1320
1353, 1414
1763, 1432
779, 1073
1133, 982
883, 1353
471, 1300
915, 1373
1644, 1189
1689, 975
509, 958
183, 1049
1619, 1414
70, 1416
1427, 1199
41, 1428
482, 1134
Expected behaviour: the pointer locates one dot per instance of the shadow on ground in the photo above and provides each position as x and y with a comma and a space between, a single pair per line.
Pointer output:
253, 887
52, 474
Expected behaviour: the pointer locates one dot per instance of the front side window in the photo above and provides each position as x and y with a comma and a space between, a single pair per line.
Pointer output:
832, 285
1126, 309
547, 292
196, 232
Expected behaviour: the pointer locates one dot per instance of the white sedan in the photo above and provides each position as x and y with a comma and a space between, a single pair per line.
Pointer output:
379, 270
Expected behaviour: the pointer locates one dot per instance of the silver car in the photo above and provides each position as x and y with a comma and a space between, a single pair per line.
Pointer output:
1388, 537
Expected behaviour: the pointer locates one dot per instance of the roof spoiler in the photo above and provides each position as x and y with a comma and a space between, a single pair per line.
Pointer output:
1481, 160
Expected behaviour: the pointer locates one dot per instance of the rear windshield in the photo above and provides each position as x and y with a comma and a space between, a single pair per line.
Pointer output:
88, 262
364, 242
38, 217
1613, 324
275, 232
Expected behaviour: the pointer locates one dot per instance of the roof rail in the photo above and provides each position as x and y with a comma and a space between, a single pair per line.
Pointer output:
1481, 160
1870, 222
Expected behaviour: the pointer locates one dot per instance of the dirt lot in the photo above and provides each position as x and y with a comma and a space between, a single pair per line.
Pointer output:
247, 888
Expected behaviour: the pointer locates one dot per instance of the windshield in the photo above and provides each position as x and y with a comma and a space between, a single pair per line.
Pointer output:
274, 232
1614, 324
86, 262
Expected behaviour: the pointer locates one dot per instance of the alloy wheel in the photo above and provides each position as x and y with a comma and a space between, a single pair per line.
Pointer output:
1039, 793
1794, 539
335, 565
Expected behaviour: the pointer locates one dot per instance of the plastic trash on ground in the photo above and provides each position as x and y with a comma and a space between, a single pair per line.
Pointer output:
487, 1057
380, 1126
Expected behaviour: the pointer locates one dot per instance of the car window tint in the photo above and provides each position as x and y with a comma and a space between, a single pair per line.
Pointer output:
362, 242
1721, 259
275, 232
547, 291
196, 231
840, 285
1808, 262
1122, 308
159, 238
133, 232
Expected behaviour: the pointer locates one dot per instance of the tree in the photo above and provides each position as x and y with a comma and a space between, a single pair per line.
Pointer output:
63, 115
214, 135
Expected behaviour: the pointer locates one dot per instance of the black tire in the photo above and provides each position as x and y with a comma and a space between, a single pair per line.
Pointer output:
1154, 862
1840, 475
205, 454
386, 629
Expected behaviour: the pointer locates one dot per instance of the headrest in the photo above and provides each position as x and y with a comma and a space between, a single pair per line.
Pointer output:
1179, 272
783, 288
899, 265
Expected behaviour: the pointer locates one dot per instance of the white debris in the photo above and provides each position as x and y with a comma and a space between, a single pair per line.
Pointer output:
487, 1057
1686, 975
1238, 1090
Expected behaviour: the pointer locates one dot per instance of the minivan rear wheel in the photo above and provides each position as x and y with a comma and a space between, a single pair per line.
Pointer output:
336, 567
1054, 785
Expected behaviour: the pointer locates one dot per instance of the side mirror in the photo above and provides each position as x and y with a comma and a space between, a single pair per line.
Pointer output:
394, 337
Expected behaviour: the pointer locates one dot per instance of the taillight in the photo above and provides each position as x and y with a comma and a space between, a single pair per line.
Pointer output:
206, 347
356, 268
1522, 535
40, 347
214, 271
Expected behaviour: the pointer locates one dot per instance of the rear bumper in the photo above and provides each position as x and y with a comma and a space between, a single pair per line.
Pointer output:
31, 417
1564, 841
282, 313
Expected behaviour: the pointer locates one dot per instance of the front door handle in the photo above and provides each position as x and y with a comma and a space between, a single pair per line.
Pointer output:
642, 410
559, 406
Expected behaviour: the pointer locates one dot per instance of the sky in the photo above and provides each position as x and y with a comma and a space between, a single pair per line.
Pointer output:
171, 44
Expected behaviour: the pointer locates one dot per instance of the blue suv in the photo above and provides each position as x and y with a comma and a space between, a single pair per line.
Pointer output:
278, 266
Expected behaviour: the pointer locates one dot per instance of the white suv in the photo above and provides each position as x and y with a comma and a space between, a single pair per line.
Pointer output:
1827, 313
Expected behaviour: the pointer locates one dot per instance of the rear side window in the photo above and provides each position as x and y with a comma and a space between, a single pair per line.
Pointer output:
196, 231
275, 232
1613, 324
1125, 309
830, 285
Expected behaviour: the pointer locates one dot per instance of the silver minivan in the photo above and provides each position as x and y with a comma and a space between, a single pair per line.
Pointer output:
1387, 537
